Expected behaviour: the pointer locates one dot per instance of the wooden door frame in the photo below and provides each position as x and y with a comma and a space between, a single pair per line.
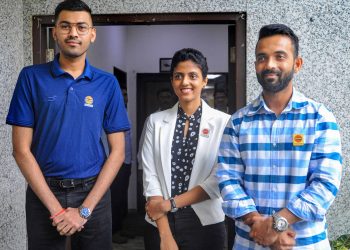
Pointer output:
237, 70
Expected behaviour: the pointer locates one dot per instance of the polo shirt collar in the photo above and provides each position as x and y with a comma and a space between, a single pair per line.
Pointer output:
298, 101
58, 71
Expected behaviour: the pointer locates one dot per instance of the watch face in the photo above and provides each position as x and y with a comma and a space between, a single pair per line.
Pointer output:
281, 224
85, 212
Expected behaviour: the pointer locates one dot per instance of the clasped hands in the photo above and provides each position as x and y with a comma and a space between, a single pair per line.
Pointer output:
68, 222
156, 208
263, 233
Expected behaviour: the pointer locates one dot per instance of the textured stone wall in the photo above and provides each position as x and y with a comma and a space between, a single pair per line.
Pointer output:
321, 25
12, 185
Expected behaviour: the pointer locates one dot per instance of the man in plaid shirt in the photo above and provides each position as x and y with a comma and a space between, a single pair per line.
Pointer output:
279, 163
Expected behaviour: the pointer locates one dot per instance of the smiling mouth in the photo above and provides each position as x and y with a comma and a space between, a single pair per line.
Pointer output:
186, 90
270, 75
72, 42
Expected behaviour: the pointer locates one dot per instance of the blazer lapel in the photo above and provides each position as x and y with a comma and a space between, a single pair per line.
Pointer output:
206, 135
165, 140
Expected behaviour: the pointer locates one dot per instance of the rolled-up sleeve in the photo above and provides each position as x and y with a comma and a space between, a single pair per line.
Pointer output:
210, 185
325, 171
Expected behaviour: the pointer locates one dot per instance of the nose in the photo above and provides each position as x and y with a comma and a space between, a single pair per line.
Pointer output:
270, 63
73, 31
185, 80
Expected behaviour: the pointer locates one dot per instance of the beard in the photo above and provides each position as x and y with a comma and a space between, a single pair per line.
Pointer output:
274, 85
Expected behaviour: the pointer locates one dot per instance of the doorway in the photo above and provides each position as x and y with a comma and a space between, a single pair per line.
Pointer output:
236, 50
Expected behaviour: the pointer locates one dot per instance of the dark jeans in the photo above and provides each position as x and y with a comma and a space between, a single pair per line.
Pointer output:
96, 233
188, 232
119, 197
231, 231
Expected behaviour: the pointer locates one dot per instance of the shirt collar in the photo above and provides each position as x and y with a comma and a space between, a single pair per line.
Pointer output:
298, 101
58, 71
197, 114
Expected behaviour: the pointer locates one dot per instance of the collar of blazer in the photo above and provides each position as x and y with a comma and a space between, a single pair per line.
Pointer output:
206, 136
207, 113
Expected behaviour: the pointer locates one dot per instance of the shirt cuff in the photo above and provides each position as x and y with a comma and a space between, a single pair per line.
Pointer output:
238, 208
306, 210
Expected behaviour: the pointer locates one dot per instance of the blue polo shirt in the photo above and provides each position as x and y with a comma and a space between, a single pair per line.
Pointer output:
67, 116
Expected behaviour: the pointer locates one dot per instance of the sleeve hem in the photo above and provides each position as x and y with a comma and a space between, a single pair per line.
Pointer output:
117, 130
21, 124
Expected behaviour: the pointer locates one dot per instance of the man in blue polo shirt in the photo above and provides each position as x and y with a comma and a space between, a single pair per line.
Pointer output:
279, 163
58, 111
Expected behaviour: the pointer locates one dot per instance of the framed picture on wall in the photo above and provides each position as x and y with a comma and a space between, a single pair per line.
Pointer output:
164, 64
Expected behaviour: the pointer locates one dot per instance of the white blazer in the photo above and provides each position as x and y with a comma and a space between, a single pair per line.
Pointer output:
156, 159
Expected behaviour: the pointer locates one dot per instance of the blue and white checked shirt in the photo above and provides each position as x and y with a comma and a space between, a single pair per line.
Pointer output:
262, 168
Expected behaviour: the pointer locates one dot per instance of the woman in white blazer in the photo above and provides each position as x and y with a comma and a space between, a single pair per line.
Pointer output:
179, 155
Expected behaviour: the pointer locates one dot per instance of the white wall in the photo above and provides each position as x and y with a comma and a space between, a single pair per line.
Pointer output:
108, 50
137, 49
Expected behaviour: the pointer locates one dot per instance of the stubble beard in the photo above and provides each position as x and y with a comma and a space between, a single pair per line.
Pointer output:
273, 86
69, 52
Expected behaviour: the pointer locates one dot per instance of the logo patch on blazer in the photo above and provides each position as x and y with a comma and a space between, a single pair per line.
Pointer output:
205, 132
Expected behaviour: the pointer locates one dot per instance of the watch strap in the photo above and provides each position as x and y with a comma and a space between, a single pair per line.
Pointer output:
277, 218
173, 205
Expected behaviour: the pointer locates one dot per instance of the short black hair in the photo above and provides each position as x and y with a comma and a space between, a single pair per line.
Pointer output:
280, 29
71, 5
190, 54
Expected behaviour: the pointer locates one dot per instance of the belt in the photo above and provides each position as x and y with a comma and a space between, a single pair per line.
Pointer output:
69, 183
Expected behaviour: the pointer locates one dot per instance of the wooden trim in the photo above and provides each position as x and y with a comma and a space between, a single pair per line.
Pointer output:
165, 18
241, 62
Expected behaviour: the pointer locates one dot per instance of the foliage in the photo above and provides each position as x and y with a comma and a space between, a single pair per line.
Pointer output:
341, 243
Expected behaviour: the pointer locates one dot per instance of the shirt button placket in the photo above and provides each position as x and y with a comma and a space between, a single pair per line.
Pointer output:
274, 161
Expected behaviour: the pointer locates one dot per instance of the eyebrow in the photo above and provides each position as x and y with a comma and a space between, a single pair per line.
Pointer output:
73, 23
280, 52
191, 72
276, 52
260, 54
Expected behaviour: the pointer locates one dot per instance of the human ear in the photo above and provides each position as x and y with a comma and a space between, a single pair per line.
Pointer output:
298, 64
54, 33
205, 82
93, 35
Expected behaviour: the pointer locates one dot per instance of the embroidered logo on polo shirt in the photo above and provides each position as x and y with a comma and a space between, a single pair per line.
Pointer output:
89, 101
51, 98
298, 139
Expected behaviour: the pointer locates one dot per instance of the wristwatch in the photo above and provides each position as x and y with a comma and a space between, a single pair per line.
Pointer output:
173, 205
84, 212
280, 224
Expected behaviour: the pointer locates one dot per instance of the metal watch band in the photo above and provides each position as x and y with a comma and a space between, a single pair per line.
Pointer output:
280, 224
173, 205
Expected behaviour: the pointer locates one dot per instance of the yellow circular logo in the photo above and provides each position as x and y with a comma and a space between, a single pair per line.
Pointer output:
89, 100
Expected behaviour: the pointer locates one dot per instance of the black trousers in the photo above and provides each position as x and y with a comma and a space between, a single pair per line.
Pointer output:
119, 197
188, 232
43, 236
